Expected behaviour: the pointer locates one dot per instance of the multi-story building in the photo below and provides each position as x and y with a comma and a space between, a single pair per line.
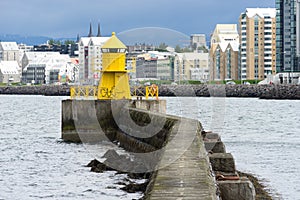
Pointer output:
154, 65
164, 70
146, 68
9, 72
225, 62
258, 43
90, 57
224, 53
47, 68
191, 66
288, 38
9, 51
35, 57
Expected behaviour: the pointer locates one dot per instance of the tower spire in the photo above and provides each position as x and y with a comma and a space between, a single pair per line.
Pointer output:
90, 33
99, 33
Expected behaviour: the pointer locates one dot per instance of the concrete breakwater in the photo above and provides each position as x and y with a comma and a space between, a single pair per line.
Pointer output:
270, 91
184, 161
47, 90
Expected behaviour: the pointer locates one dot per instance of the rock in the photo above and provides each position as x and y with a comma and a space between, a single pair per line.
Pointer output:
133, 187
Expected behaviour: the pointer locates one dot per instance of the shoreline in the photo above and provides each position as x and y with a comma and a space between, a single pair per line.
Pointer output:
272, 91
260, 189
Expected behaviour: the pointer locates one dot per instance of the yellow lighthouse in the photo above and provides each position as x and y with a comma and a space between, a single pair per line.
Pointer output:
114, 82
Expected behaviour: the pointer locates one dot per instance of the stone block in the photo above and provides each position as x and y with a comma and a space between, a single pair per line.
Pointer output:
223, 162
242, 189
215, 147
212, 137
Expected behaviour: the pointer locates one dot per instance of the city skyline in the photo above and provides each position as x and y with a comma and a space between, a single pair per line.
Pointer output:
66, 18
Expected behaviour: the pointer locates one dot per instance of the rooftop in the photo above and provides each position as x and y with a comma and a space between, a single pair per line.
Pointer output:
9, 46
262, 12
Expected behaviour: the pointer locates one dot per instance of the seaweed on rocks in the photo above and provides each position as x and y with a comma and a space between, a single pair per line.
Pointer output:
260, 190
128, 166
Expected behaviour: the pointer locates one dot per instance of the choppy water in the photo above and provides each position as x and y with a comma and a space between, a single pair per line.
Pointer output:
35, 164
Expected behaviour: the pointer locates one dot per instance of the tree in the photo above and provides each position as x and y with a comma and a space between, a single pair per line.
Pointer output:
54, 42
162, 46
203, 49
178, 49
67, 42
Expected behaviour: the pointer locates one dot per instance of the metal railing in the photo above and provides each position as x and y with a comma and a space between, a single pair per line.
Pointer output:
91, 92
148, 91
77, 92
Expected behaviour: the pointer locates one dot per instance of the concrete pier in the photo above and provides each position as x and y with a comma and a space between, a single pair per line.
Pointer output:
190, 176
185, 161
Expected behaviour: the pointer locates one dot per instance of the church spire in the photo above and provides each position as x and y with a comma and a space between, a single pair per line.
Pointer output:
90, 33
99, 32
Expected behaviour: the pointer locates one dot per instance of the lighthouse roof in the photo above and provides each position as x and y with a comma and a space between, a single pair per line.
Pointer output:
114, 43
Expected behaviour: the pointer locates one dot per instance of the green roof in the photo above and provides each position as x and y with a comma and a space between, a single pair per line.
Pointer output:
114, 43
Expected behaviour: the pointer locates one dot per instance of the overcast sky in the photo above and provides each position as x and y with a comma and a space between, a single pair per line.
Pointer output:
67, 18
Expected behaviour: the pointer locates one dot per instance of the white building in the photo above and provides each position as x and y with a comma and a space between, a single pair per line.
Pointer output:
224, 52
9, 72
191, 66
9, 51
48, 68
90, 59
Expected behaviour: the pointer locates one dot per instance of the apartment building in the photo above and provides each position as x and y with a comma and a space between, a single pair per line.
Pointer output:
191, 66
47, 68
225, 62
258, 43
90, 57
288, 39
224, 53
154, 65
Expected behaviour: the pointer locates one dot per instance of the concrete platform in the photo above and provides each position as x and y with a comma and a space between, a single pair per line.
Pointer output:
189, 177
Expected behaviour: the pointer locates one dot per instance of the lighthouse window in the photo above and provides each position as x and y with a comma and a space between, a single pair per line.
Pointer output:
113, 50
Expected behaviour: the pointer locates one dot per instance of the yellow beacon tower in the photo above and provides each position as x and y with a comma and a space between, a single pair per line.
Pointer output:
114, 83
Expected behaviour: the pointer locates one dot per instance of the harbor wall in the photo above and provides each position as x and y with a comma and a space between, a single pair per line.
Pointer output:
271, 91
114, 121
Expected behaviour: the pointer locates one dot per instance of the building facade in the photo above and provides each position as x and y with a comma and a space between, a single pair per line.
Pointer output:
288, 38
224, 53
9, 72
258, 43
48, 68
146, 69
225, 62
191, 66
9, 51
154, 65
90, 59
